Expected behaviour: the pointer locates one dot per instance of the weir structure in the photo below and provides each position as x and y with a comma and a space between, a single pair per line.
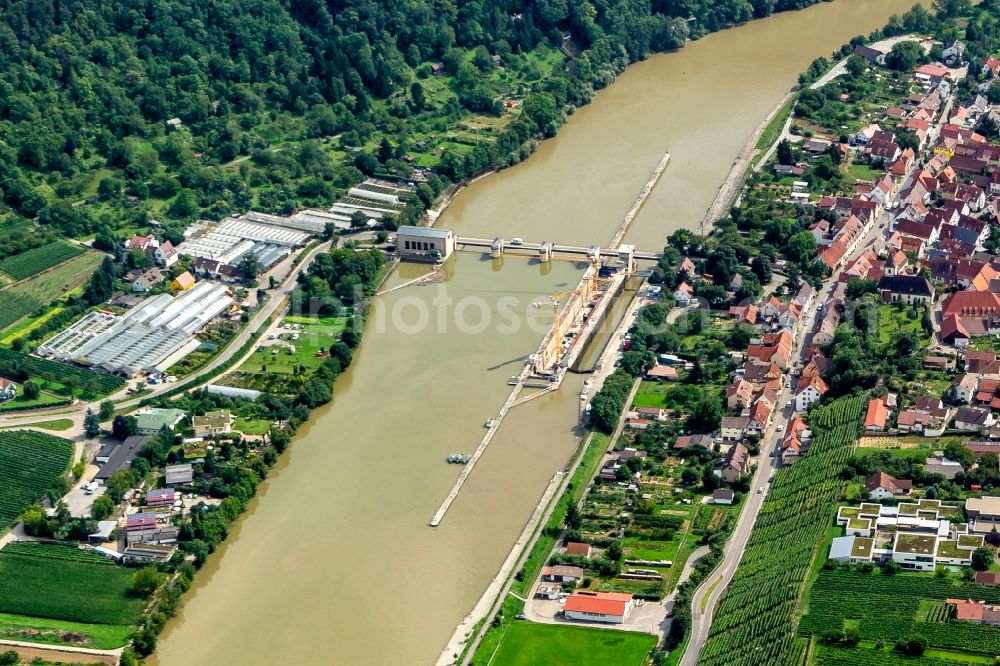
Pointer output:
574, 320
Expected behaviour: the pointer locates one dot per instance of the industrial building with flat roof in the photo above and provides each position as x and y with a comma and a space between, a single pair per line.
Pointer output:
424, 243
151, 420
153, 336
268, 237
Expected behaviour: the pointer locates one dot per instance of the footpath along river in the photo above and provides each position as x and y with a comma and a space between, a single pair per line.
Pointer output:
334, 562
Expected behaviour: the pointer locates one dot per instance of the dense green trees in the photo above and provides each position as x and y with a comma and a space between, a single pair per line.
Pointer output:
165, 93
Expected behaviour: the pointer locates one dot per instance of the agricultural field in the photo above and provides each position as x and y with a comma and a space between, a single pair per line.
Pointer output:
33, 262
753, 623
22, 299
59, 632
60, 378
869, 655
67, 589
663, 525
889, 608
528, 644
30, 462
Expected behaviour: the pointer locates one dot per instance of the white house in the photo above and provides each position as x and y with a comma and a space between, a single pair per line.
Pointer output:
809, 391
166, 254
683, 294
914, 551
8, 390
881, 486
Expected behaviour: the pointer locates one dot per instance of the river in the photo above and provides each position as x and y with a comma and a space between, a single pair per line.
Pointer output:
334, 562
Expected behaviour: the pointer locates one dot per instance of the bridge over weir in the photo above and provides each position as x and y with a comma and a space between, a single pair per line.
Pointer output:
499, 246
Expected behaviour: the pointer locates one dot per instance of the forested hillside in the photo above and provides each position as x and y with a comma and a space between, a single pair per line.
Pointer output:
286, 103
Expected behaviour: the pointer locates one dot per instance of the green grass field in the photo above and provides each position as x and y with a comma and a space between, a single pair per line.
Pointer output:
252, 426
773, 128
44, 399
528, 644
289, 356
54, 424
67, 590
864, 172
893, 319
42, 630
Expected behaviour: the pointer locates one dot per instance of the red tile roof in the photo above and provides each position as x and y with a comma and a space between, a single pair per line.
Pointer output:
600, 603
877, 414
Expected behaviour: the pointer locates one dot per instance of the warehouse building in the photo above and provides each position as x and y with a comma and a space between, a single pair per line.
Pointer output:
151, 420
151, 337
424, 243
268, 237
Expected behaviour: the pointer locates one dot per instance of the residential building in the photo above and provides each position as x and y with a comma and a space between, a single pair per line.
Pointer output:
739, 394
735, 464
213, 424
166, 254
973, 419
723, 496
577, 548
182, 282
872, 56
983, 513
963, 387
8, 390
734, 427
916, 535
809, 390
912, 421
976, 612
146, 281
882, 486
683, 294
562, 573
877, 414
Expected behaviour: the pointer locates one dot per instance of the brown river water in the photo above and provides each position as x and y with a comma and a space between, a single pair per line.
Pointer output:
334, 563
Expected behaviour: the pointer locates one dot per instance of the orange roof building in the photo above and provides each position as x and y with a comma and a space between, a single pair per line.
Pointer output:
608, 607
